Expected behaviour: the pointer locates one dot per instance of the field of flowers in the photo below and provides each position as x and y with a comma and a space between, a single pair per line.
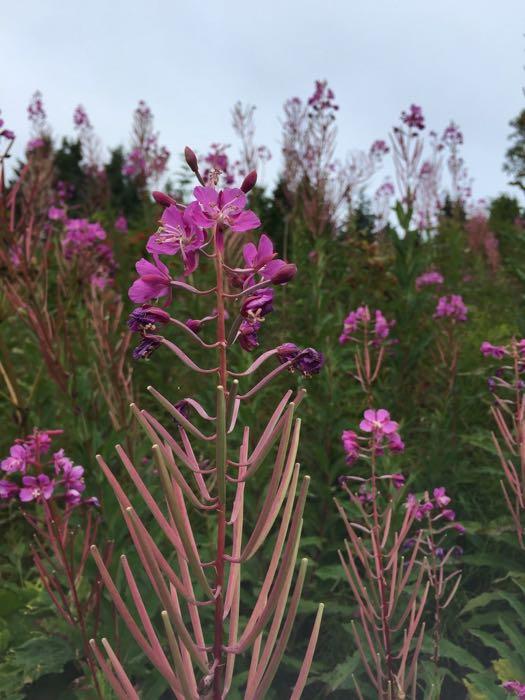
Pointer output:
260, 442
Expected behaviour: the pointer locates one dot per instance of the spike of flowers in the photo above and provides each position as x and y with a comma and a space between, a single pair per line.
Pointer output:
203, 660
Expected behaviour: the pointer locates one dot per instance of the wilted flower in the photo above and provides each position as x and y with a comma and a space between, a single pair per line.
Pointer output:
287, 352
414, 118
145, 348
310, 362
256, 306
248, 339
146, 318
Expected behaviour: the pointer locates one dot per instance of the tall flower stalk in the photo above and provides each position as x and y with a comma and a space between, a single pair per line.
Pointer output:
199, 651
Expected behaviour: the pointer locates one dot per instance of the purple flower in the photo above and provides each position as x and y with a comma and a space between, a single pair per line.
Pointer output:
449, 514
398, 480
225, 208
73, 497
261, 259
194, 324
7, 489
154, 281
417, 509
310, 362
452, 307
92, 501
248, 335
17, 460
460, 528
515, 687
489, 350
441, 498
429, 278
350, 446
378, 422
145, 348
72, 476
258, 305
40, 438
145, 318
36, 488
178, 234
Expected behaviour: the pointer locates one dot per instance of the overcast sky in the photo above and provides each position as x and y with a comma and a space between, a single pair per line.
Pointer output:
191, 61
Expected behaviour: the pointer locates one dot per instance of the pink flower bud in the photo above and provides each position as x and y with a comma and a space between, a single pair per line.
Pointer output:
163, 199
191, 159
249, 181
285, 274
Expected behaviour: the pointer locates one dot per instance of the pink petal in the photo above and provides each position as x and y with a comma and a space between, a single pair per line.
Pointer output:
206, 195
265, 248
172, 216
249, 253
197, 216
366, 426
234, 196
246, 221
389, 427
382, 415
370, 414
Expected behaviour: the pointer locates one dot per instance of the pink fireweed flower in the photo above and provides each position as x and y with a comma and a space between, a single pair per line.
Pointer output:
430, 278
416, 508
7, 489
121, 224
448, 513
452, 307
350, 446
177, 234
17, 460
352, 322
36, 488
262, 258
225, 208
56, 214
496, 351
515, 687
441, 497
154, 281
382, 326
378, 422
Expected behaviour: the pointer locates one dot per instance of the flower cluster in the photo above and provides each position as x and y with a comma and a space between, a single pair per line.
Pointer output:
453, 307
428, 279
381, 433
437, 504
414, 118
147, 160
359, 320
32, 478
82, 243
515, 687
184, 233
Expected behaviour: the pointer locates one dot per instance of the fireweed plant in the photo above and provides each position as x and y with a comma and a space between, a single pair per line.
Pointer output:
508, 410
396, 560
50, 490
369, 335
390, 593
194, 661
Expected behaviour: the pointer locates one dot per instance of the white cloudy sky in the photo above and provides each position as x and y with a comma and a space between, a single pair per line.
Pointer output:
191, 61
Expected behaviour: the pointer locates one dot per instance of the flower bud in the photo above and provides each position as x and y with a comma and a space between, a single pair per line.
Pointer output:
163, 199
194, 325
249, 181
286, 273
191, 160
